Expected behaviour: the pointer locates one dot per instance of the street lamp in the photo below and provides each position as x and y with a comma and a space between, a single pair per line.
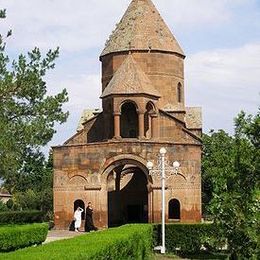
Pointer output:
163, 170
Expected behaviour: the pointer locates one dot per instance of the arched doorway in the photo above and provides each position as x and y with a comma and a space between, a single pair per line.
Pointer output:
174, 209
150, 110
80, 203
127, 195
128, 121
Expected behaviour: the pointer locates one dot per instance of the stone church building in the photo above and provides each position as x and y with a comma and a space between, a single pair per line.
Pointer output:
143, 109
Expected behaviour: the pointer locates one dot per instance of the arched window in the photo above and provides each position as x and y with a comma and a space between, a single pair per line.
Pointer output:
80, 203
179, 94
128, 121
174, 209
147, 120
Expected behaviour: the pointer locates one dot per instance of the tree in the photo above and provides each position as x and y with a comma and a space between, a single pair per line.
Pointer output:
231, 166
27, 114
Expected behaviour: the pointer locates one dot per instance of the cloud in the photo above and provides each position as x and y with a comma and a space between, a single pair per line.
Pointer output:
72, 25
224, 82
227, 67
80, 25
84, 92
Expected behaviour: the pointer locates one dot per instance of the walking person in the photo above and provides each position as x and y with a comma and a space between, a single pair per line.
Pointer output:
77, 218
89, 224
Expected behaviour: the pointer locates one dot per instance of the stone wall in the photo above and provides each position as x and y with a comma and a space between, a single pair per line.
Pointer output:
80, 172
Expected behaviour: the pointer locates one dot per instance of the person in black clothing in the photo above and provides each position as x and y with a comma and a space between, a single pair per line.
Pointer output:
89, 225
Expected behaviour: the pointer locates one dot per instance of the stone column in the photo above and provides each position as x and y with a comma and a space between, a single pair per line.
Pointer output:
155, 127
117, 125
141, 125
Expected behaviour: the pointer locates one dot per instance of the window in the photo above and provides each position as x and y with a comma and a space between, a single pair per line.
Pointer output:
147, 120
179, 94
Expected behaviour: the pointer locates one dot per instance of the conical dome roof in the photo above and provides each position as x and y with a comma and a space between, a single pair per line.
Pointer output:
130, 79
142, 28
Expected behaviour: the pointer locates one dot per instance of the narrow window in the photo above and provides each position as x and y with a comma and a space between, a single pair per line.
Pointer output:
179, 96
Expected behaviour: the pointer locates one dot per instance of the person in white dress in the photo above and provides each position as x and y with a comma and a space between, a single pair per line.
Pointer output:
77, 218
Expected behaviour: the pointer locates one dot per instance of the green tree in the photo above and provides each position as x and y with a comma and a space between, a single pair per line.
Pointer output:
231, 178
27, 115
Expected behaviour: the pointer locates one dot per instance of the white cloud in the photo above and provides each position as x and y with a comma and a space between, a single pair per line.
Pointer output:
84, 92
224, 82
79, 25
229, 68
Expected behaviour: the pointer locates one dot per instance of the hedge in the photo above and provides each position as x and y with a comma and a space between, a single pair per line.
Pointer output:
21, 217
126, 242
189, 238
15, 237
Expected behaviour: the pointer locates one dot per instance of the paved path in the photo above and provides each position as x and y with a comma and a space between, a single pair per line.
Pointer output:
54, 235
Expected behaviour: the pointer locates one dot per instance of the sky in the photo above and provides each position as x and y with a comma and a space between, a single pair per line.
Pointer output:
221, 40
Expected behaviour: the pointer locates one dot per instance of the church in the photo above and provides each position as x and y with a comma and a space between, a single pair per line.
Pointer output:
143, 110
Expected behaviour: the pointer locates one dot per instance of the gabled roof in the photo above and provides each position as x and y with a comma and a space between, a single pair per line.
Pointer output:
193, 117
130, 79
86, 115
142, 28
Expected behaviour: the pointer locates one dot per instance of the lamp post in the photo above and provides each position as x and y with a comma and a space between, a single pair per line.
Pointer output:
163, 170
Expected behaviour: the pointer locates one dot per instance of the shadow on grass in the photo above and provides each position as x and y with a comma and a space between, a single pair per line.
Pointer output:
205, 255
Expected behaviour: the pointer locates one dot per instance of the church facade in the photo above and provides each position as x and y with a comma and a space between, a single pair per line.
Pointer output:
143, 109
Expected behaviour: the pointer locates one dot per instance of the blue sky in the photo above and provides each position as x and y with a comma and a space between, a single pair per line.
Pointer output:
221, 39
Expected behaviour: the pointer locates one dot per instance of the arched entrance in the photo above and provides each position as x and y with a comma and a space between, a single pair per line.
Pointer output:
80, 203
127, 194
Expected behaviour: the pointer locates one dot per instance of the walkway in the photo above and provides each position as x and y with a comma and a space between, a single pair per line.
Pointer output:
54, 235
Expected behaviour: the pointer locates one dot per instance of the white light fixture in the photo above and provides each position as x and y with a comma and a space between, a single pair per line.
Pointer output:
163, 150
149, 165
176, 165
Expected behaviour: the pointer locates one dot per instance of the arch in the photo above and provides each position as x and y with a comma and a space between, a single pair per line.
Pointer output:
77, 180
129, 120
174, 209
122, 159
80, 203
179, 93
150, 109
127, 101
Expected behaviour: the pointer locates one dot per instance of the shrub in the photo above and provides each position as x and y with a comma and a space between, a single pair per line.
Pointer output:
21, 217
188, 238
3, 206
126, 242
15, 237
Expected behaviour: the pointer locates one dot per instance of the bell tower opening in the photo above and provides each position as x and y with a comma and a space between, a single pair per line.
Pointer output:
128, 121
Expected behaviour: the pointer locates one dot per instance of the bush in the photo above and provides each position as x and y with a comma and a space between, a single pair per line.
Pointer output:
126, 242
188, 238
3, 206
21, 217
15, 237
